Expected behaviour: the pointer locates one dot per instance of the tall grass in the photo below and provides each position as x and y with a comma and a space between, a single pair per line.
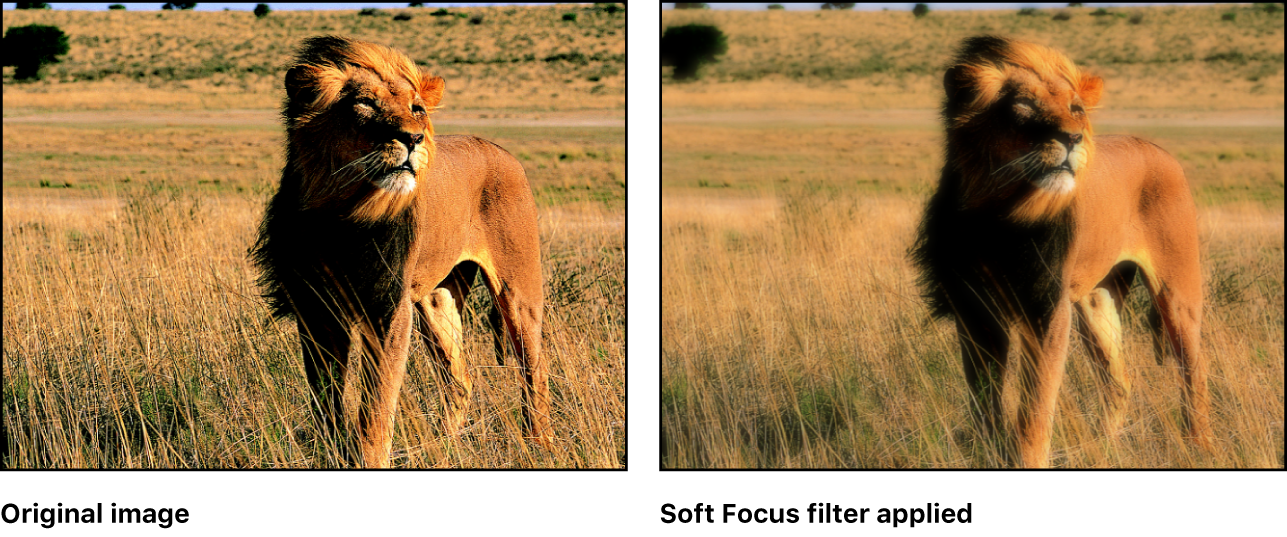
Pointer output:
134, 338
793, 337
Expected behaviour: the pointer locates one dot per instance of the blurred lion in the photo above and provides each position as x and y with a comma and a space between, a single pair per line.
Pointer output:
375, 217
1035, 216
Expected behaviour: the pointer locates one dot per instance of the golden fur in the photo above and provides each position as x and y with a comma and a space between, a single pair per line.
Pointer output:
374, 217
1033, 216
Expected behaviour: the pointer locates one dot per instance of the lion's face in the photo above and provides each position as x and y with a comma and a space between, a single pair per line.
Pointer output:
384, 126
358, 126
1047, 132
1018, 125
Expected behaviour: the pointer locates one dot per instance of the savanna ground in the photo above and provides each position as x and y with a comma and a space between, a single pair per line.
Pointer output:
134, 335
794, 173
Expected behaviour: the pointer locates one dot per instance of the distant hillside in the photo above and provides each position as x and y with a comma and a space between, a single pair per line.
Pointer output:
1212, 51
508, 55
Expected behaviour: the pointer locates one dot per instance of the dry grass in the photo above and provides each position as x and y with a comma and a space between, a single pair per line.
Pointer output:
517, 57
134, 336
1180, 57
793, 335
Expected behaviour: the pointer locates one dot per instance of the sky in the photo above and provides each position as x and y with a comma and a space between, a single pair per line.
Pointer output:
156, 6
908, 7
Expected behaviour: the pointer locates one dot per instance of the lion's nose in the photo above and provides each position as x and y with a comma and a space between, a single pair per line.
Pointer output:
412, 139
1074, 138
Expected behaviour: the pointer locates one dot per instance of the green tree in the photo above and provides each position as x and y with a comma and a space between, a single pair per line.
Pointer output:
116, 6
31, 5
30, 47
262, 10
691, 5
830, 5
176, 5
920, 10
688, 47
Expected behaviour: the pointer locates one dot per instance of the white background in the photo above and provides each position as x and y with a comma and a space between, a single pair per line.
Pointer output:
616, 502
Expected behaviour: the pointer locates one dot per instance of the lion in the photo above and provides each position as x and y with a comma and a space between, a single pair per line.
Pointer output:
1035, 216
379, 225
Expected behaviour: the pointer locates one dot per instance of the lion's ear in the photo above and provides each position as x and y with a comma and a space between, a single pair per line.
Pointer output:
1091, 89
431, 90
299, 89
953, 79
311, 86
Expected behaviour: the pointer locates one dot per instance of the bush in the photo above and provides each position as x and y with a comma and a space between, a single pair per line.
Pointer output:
30, 47
688, 47
1062, 16
476, 19
1027, 11
1136, 18
176, 5
115, 6
920, 10
402, 17
261, 10
776, 6
569, 17
440, 13
830, 5
31, 5
1230, 16
690, 5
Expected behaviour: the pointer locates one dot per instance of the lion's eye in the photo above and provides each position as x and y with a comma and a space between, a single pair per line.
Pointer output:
364, 106
1024, 104
417, 109
1077, 109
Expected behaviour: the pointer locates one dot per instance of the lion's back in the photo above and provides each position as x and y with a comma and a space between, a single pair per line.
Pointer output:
495, 176
1159, 172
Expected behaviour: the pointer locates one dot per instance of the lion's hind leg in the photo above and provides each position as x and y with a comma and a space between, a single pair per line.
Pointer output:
515, 285
440, 325
1100, 323
1177, 295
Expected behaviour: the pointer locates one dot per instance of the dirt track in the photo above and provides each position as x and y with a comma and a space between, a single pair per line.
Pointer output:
1235, 118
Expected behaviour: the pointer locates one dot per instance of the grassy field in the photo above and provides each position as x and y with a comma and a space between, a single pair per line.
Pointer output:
1176, 57
134, 336
793, 335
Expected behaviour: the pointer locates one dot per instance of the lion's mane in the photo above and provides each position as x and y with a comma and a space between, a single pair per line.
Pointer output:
325, 223
986, 213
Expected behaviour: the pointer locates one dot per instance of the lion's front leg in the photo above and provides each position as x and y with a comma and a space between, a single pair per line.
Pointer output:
1045, 349
384, 363
326, 343
984, 345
